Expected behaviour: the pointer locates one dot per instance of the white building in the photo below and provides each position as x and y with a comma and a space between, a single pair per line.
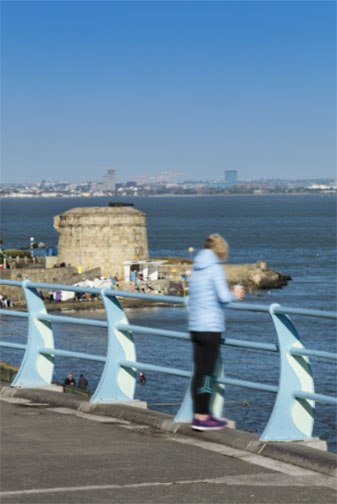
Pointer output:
148, 269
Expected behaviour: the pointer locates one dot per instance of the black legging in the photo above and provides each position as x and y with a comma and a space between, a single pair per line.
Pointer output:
206, 347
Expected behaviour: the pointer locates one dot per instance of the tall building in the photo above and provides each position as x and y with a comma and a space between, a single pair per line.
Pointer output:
109, 181
231, 178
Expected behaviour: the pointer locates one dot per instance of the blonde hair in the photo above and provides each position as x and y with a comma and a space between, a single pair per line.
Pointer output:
219, 246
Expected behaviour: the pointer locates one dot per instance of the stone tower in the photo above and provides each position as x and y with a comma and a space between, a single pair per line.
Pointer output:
102, 237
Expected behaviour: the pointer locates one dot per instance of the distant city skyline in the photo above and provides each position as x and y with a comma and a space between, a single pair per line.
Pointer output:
169, 179
187, 88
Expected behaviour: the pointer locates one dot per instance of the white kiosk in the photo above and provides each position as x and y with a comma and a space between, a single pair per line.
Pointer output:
148, 269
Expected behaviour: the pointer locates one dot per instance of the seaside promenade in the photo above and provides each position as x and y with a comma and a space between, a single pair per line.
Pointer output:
57, 448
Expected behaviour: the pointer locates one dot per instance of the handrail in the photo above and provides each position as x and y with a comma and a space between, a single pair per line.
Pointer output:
305, 312
71, 320
7, 344
315, 397
153, 330
314, 353
13, 313
292, 415
68, 353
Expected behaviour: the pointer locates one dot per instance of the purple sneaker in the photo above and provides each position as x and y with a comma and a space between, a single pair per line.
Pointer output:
209, 423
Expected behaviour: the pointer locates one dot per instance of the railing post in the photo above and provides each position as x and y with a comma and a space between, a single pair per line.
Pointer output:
185, 412
117, 384
36, 370
291, 419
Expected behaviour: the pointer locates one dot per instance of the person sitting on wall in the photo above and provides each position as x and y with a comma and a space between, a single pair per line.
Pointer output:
142, 379
149, 288
82, 382
70, 380
113, 282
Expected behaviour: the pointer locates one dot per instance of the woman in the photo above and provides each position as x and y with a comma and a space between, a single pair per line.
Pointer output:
208, 293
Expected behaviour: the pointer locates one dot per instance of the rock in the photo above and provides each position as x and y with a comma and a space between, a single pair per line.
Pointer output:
257, 279
252, 276
255, 276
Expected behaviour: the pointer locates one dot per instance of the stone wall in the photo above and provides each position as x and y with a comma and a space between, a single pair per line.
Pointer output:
51, 261
102, 236
68, 276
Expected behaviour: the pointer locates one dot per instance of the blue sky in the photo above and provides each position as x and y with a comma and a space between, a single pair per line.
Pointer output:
189, 87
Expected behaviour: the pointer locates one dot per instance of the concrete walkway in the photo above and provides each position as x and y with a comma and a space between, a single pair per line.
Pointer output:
56, 449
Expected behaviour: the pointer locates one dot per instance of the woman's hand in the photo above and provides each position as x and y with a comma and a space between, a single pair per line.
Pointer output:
239, 292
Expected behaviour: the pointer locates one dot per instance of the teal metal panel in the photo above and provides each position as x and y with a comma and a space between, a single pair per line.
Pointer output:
185, 412
291, 419
36, 369
117, 384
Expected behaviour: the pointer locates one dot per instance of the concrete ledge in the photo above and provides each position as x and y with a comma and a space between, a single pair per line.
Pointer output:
303, 456
294, 453
42, 395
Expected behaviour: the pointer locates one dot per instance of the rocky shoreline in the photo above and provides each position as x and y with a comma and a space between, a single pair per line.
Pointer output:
251, 276
96, 304
173, 273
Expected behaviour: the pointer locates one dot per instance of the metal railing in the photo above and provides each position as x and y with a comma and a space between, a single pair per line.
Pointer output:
292, 415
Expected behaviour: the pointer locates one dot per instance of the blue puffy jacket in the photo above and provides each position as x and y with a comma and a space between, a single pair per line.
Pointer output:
208, 292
